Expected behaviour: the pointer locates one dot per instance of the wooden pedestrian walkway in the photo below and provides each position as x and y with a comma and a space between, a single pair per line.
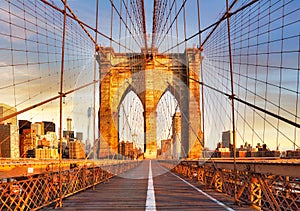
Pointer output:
129, 192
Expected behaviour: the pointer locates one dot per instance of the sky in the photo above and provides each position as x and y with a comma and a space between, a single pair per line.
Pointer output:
210, 10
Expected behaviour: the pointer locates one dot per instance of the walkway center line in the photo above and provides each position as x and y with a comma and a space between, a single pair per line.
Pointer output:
205, 194
150, 201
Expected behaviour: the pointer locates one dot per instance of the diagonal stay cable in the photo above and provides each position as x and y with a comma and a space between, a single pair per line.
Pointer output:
251, 105
126, 25
215, 25
83, 24
174, 19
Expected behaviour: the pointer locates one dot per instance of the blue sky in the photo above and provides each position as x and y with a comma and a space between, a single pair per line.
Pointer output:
85, 10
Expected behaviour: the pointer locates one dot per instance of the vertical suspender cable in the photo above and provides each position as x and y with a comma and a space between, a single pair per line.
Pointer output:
95, 85
185, 46
142, 7
297, 98
126, 17
232, 102
280, 75
170, 15
187, 145
120, 26
118, 114
182, 151
61, 101
95, 78
154, 25
201, 76
111, 50
12, 55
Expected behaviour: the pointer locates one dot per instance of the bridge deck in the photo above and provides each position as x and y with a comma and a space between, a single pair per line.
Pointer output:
129, 192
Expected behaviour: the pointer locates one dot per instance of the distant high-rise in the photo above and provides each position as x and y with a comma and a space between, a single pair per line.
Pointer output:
227, 138
122, 147
129, 149
41, 128
166, 148
126, 149
23, 125
79, 136
6, 110
49, 127
37, 127
69, 134
9, 141
69, 124
28, 142
176, 127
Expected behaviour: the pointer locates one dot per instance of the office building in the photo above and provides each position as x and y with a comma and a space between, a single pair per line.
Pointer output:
227, 139
9, 141
176, 129
6, 110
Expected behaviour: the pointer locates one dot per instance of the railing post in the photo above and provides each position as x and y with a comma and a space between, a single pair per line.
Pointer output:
218, 182
255, 192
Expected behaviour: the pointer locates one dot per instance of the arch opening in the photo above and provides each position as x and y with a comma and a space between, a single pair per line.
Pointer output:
168, 127
131, 127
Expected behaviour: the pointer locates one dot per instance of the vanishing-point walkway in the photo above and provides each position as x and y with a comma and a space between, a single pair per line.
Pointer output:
145, 189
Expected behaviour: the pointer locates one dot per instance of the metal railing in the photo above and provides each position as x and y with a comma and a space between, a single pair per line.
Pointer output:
257, 182
41, 190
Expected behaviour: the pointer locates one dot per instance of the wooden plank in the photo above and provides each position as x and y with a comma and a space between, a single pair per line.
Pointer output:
129, 193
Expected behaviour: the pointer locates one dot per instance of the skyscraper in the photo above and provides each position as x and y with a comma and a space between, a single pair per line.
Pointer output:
227, 138
9, 141
6, 110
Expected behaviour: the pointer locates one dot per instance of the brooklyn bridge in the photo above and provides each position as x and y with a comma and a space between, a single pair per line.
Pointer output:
150, 105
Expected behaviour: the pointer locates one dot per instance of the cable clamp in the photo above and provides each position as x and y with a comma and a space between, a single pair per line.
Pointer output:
62, 94
231, 96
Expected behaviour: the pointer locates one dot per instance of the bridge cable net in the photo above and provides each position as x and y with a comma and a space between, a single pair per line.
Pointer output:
31, 50
31, 38
265, 70
265, 65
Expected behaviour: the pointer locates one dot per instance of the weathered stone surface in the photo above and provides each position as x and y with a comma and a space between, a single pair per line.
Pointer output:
150, 77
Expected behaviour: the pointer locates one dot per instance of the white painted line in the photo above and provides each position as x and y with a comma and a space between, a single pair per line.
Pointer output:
150, 201
205, 194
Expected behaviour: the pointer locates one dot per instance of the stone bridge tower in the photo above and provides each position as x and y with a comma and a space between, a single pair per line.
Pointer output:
149, 76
